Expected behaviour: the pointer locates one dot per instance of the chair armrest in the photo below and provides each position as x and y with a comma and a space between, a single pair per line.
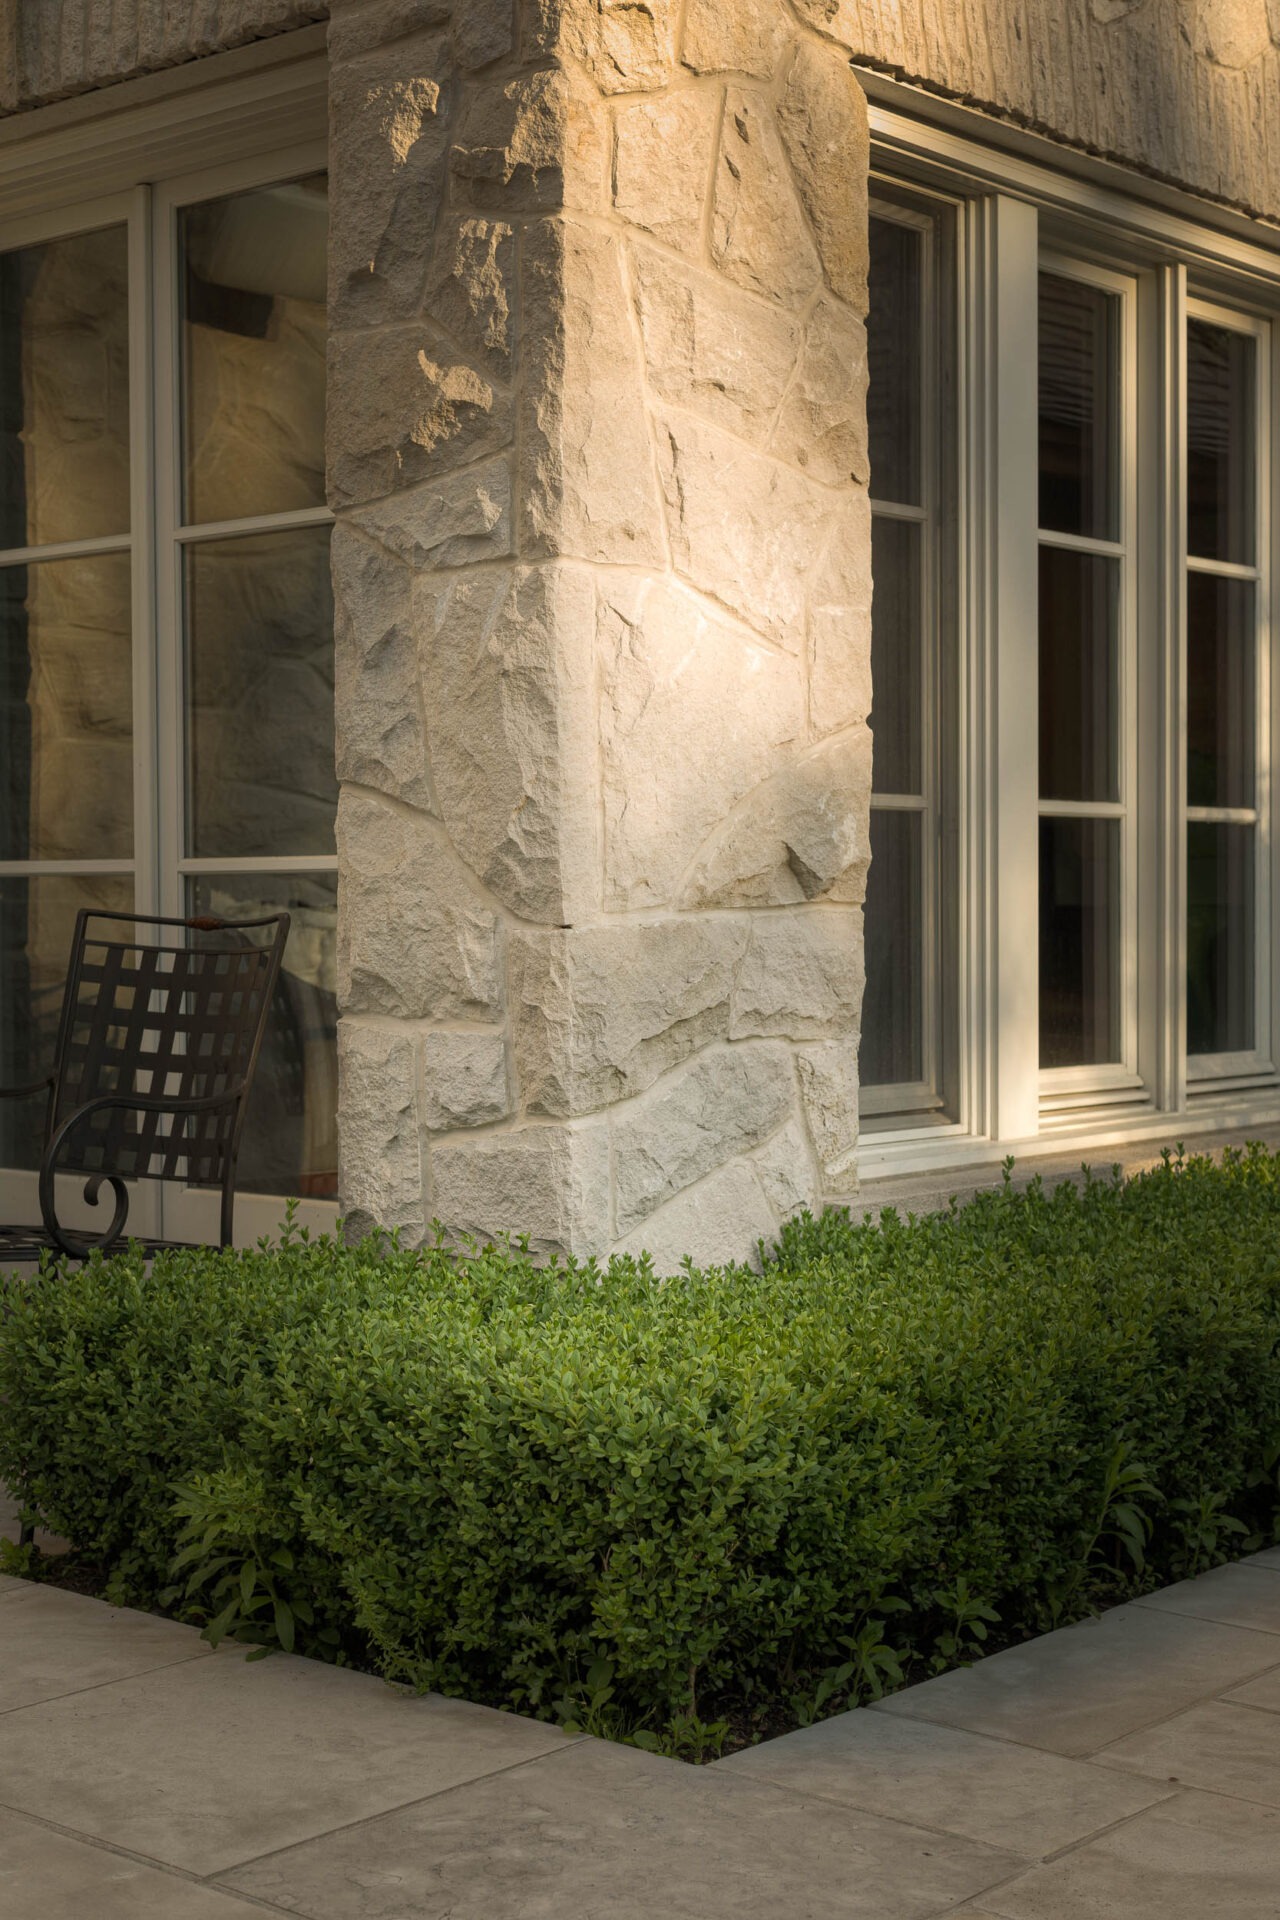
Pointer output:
76, 1244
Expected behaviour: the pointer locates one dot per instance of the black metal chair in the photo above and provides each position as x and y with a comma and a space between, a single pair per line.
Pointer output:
153, 1064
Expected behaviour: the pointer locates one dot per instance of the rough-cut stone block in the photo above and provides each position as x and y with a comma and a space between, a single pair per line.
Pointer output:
381, 736
720, 352
471, 289
402, 408
536, 143
549, 1182
599, 1013
483, 30
822, 426
823, 121
1232, 33
726, 1101
508, 687
840, 622
389, 121
743, 528
694, 712
627, 46
415, 938
662, 160
359, 27
787, 1172
464, 1080
586, 460
747, 36
801, 977
829, 1090
450, 522
380, 1145
798, 836
759, 236
720, 1220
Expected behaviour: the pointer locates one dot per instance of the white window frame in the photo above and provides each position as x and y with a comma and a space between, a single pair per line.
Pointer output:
1026, 202
918, 1102
160, 144
1211, 1073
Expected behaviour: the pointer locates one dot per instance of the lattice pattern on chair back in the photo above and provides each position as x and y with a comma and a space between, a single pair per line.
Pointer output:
180, 1020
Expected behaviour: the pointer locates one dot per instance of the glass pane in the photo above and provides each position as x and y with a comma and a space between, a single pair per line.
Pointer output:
261, 777
895, 655
37, 920
1079, 408
1221, 692
253, 343
66, 710
64, 390
893, 362
290, 1143
1079, 942
892, 1049
1220, 443
1220, 942
1079, 668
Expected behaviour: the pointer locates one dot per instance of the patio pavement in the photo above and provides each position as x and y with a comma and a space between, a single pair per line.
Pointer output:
1126, 1767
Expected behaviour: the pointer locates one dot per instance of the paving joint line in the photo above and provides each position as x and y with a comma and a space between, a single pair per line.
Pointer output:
113, 1847
384, 1813
96, 1686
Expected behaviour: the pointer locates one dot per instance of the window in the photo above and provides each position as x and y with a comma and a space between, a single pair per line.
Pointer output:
906, 1065
166, 627
1070, 919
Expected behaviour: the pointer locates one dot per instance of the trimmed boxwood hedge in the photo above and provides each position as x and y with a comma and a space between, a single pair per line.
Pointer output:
552, 1485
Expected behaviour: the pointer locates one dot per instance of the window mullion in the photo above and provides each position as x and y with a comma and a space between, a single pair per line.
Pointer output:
1013, 789
146, 806
1167, 832
167, 516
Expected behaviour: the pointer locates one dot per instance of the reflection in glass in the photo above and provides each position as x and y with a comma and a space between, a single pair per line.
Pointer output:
37, 921
895, 654
1220, 924
1079, 604
892, 1047
260, 757
1079, 363
290, 1143
64, 390
253, 350
894, 362
66, 710
1221, 689
1221, 456
1079, 942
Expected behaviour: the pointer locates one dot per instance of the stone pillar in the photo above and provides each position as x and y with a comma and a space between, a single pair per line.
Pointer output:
602, 566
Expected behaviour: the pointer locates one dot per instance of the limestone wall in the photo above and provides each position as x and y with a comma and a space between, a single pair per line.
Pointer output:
597, 455
50, 48
1186, 89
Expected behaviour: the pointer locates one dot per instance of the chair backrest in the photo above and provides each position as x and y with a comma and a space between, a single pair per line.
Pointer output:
181, 1015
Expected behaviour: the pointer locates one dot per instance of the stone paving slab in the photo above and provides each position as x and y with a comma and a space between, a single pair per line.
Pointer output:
46, 1875
1220, 1746
1263, 1693
1245, 1595
1195, 1857
1079, 1689
988, 1790
212, 1762
54, 1643
608, 1833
